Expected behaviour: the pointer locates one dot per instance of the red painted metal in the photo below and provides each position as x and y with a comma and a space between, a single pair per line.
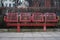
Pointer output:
25, 17
44, 28
43, 25
51, 17
37, 17
18, 27
31, 24
11, 17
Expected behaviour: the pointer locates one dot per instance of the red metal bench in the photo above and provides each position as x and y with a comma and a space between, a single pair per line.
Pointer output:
51, 17
12, 19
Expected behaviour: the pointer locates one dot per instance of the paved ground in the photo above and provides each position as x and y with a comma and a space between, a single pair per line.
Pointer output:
30, 36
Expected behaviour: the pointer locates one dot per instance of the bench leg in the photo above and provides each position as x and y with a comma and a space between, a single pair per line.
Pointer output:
44, 28
18, 28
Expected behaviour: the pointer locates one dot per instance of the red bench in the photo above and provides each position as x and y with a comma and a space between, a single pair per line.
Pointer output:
30, 19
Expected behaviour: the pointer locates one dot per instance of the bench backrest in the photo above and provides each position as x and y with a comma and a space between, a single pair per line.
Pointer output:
51, 17
38, 17
12, 17
25, 17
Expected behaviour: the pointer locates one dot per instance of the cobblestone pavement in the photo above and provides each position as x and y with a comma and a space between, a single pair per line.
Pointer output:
30, 36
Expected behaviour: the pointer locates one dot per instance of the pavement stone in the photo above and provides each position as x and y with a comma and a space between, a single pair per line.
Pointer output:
10, 38
58, 38
39, 38
27, 35
30, 36
11, 34
50, 38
